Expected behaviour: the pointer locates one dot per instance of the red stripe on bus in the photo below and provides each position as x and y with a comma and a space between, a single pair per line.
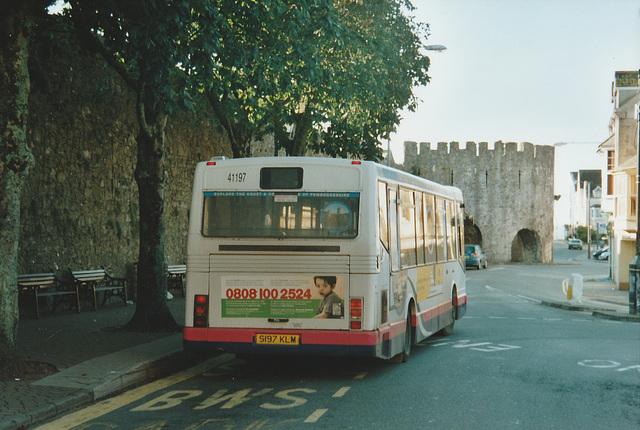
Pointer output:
433, 312
308, 337
461, 300
320, 337
395, 329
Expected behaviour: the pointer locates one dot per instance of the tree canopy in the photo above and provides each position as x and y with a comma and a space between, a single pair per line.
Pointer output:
330, 76
146, 43
372, 77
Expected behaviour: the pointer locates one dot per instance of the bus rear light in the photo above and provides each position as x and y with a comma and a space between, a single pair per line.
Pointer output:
356, 162
200, 310
212, 162
355, 310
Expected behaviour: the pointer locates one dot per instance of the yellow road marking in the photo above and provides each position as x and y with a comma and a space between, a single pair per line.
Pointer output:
360, 375
315, 416
341, 392
104, 407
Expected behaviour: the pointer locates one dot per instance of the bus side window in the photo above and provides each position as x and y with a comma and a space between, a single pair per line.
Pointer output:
430, 227
460, 219
383, 214
407, 224
420, 228
394, 248
452, 246
441, 230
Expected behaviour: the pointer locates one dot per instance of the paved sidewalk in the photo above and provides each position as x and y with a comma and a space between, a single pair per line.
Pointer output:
600, 297
95, 361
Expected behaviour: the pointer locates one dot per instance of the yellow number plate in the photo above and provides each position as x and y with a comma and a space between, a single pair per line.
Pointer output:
278, 339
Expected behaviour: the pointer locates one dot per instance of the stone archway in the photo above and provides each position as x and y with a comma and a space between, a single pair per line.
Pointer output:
526, 247
472, 234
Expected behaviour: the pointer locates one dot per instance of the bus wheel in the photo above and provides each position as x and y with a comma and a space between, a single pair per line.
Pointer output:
403, 357
449, 329
408, 340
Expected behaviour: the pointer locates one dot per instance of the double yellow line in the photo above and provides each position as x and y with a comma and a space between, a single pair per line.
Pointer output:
109, 405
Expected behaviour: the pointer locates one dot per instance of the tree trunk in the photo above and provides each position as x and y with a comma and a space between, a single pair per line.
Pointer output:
239, 134
300, 139
152, 313
15, 160
296, 145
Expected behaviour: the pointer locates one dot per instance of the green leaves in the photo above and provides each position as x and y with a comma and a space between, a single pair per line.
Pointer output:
326, 75
146, 42
322, 75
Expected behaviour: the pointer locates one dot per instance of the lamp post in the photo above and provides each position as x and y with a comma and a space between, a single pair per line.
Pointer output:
634, 266
436, 48
588, 188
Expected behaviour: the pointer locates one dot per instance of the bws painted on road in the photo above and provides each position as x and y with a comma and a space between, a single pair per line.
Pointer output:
106, 406
226, 401
269, 398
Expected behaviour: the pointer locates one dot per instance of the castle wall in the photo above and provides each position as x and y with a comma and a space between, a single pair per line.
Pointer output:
507, 189
80, 205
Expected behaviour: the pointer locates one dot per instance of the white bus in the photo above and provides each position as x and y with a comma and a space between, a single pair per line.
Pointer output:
322, 256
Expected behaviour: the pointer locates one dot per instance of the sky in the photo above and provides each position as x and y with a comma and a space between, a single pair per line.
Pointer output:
536, 71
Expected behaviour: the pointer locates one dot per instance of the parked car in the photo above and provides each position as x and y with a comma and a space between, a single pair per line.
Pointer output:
599, 252
604, 256
575, 244
475, 257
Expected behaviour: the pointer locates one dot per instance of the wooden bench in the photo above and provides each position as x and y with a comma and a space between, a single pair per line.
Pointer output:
47, 285
94, 281
175, 277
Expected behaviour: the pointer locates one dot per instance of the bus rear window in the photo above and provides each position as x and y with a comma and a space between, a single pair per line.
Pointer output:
281, 178
280, 215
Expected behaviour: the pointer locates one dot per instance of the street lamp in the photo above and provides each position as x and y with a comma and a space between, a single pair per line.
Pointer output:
438, 48
587, 185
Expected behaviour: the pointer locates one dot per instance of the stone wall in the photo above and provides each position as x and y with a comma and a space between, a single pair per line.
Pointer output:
80, 201
508, 192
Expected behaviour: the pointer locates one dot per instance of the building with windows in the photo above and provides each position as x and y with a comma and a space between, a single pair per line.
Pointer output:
585, 208
620, 190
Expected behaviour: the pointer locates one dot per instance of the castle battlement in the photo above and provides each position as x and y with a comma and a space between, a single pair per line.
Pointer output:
480, 149
508, 191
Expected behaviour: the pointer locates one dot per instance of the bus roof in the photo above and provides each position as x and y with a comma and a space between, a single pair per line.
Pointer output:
383, 172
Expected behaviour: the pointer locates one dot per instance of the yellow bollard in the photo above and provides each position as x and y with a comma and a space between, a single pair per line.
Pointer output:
569, 292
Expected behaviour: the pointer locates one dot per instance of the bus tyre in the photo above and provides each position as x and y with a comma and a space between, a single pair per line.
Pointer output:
448, 330
408, 340
403, 357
